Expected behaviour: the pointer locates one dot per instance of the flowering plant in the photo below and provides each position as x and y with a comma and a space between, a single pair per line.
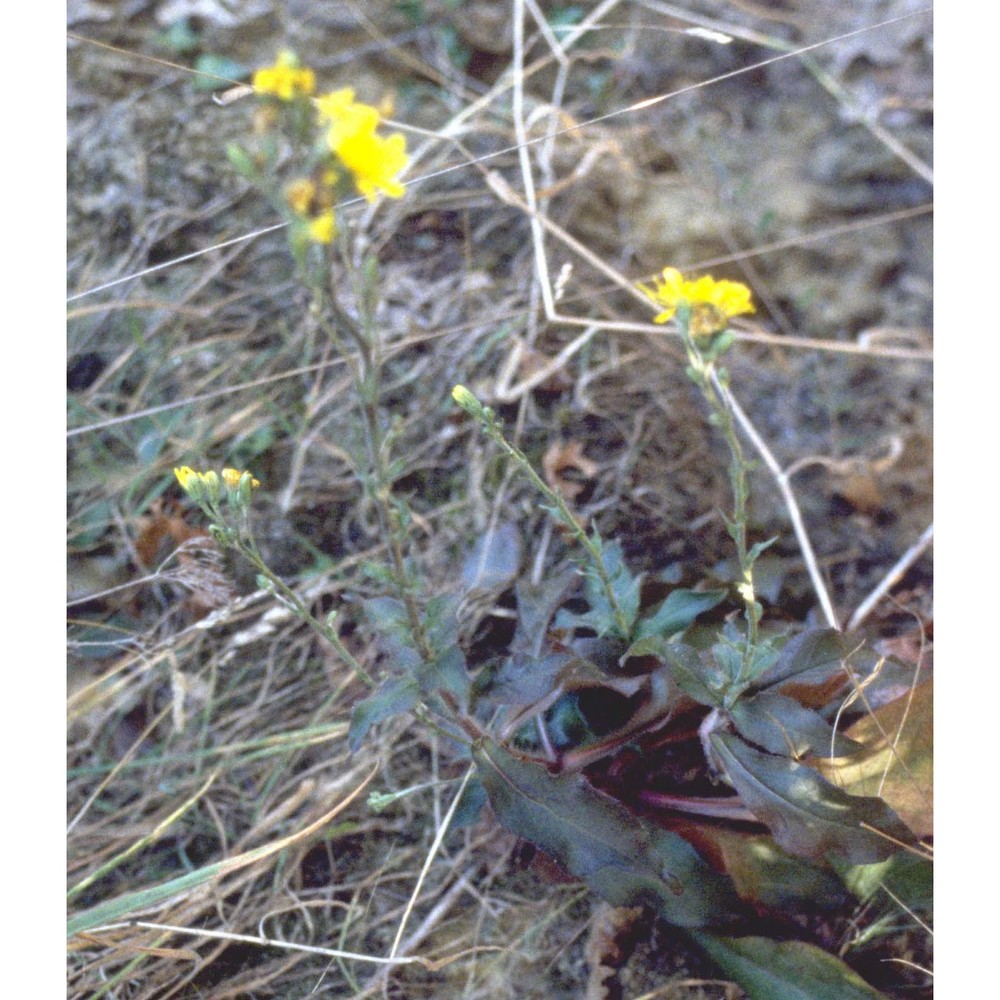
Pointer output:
337, 151
709, 303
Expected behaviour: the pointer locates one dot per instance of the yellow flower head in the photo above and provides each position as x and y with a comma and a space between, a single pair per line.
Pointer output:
186, 476
712, 303
321, 229
300, 195
232, 478
286, 79
199, 486
344, 115
374, 161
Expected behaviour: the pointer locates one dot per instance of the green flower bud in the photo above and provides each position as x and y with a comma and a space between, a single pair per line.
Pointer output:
467, 401
213, 488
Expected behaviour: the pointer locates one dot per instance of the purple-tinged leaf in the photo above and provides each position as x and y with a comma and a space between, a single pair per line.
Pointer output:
395, 696
781, 725
809, 657
535, 608
520, 679
806, 815
622, 857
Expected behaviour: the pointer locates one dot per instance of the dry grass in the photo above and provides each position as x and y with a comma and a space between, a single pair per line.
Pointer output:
206, 726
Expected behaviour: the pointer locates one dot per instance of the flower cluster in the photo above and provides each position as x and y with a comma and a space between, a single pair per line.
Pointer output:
374, 161
207, 487
343, 149
286, 79
312, 202
710, 303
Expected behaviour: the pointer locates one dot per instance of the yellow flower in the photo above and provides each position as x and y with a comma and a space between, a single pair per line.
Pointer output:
374, 161
300, 195
187, 477
712, 303
286, 79
232, 477
344, 115
322, 228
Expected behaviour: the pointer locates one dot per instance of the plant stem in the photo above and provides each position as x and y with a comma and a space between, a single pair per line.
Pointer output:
367, 376
494, 432
703, 371
248, 549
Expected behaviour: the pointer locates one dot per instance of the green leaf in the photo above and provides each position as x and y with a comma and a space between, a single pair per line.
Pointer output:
448, 671
809, 657
678, 611
395, 696
179, 38
806, 814
755, 550
729, 658
909, 878
535, 608
697, 678
441, 622
784, 970
470, 805
388, 619
782, 726
762, 658
557, 515
624, 586
240, 161
494, 559
520, 680
622, 857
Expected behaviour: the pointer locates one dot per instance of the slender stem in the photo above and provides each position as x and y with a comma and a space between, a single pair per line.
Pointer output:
703, 372
367, 379
248, 549
781, 478
493, 430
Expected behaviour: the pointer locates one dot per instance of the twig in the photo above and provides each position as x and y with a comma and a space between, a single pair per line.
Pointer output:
431, 854
905, 561
266, 942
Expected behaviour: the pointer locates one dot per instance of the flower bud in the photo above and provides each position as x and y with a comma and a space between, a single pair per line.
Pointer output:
190, 482
467, 401
213, 488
